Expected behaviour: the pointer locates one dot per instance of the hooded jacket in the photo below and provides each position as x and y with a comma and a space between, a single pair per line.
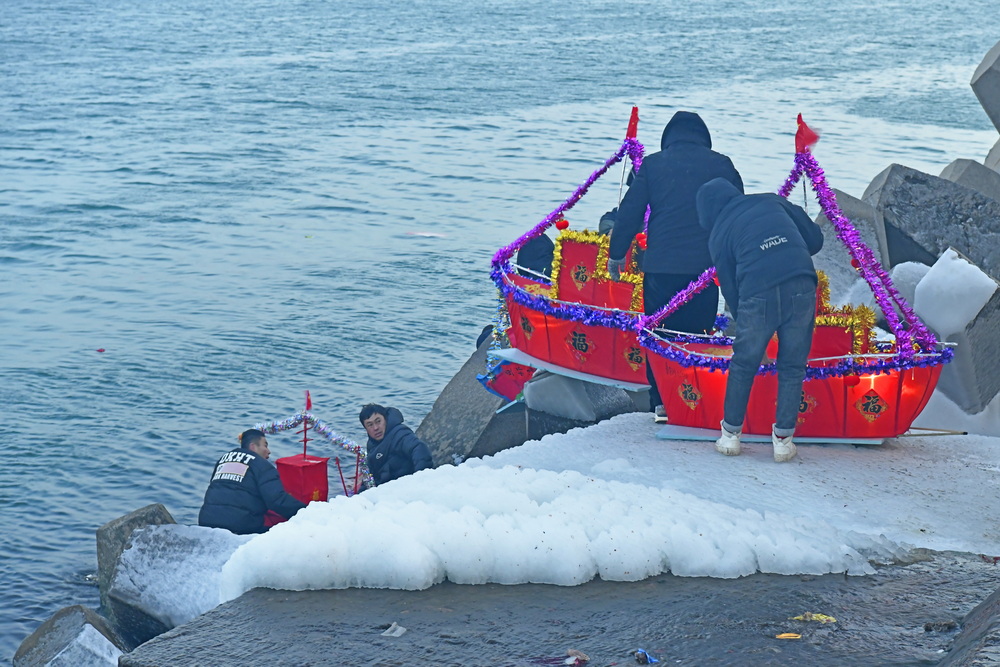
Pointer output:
756, 241
243, 487
400, 452
667, 182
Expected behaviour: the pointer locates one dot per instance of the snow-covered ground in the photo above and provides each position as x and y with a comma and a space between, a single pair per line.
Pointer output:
612, 501
615, 501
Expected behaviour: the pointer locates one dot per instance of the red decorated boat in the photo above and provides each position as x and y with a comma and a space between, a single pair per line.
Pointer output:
584, 324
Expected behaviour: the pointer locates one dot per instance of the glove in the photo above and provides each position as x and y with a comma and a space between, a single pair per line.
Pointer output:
615, 268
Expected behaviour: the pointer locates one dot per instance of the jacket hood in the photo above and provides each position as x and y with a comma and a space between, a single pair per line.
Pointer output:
712, 198
393, 418
536, 254
686, 126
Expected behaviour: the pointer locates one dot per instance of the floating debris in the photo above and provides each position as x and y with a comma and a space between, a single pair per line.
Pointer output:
395, 630
809, 616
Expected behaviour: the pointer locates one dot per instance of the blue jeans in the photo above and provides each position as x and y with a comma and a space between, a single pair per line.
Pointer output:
790, 311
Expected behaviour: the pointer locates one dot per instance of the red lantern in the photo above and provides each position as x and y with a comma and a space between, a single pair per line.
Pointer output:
562, 223
852, 380
640, 240
855, 263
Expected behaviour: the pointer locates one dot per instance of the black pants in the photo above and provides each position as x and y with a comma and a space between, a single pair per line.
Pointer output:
696, 316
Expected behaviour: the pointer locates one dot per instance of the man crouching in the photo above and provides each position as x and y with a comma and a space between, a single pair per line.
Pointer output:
393, 449
244, 486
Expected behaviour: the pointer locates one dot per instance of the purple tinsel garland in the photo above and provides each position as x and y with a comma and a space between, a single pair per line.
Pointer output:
501, 260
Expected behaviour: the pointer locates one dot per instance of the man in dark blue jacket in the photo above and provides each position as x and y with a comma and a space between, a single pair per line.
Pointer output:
762, 247
676, 245
244, 486
393, 449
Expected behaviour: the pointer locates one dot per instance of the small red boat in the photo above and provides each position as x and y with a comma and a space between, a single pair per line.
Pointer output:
584, 324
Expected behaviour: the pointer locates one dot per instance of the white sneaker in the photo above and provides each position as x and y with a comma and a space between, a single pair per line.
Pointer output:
659, 415
784, 448
728, 443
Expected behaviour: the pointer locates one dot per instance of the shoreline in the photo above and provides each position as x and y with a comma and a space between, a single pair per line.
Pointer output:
902, 615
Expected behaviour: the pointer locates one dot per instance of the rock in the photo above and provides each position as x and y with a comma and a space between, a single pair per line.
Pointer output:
73, 636
919, 216
464, 423
979, 641
972, 379
992, 160
575, 399
167, 576
973, 175
833, 259
986, 84
112, 539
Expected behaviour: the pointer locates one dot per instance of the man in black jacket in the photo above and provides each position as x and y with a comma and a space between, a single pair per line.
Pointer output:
676, 245
244, 486
762, 247
393, 449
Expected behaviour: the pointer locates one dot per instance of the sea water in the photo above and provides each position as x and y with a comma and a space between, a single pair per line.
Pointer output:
208, 208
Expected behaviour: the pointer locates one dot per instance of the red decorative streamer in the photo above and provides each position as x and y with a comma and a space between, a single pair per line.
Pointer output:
804, 136
633, 124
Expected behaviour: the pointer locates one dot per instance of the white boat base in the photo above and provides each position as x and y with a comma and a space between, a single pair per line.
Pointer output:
676, 432
519, 357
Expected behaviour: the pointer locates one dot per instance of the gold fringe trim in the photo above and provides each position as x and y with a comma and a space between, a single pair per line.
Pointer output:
857, 320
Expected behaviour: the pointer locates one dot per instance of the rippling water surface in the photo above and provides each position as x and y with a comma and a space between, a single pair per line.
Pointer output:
239, 201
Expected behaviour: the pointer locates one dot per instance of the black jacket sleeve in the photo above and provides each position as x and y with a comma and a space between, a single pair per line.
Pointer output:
418, 452
631, 216
273, 492
810, 231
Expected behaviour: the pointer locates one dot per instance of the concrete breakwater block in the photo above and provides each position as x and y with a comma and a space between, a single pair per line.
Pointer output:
919, 216
71, 637
979, 641
973, 175
574, 399
833, 259
992, 160
464, 423
112, 539
169, 574
986, 84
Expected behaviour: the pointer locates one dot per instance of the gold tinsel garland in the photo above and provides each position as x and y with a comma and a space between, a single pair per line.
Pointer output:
632, 274
857, 320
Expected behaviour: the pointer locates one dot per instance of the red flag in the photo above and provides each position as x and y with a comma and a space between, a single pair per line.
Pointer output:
633, 124
804, 136
309, 401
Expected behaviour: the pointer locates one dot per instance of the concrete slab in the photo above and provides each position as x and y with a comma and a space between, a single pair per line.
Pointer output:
707, 621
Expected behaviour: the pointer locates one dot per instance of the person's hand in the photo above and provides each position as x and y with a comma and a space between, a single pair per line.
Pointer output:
615, 268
